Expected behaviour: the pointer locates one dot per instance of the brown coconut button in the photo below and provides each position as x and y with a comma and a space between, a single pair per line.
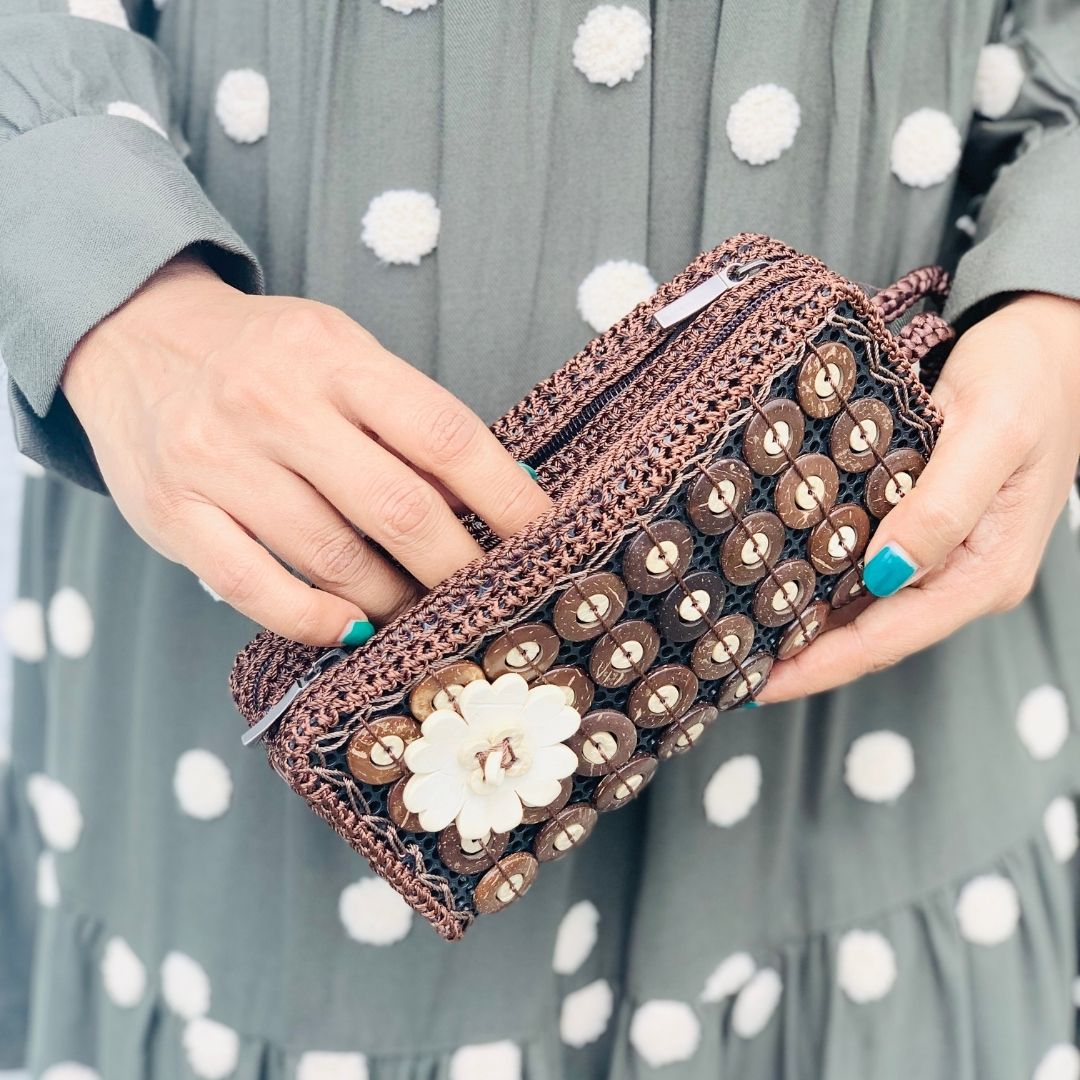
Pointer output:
826, 379
861, 434
582, 611
576, 686
654, 559
677, 738
849, 587
890, 481
746, 682
439, 688
399, 813
527, 650
508, 880
773, 436
806, 491
662, 694
563, 833
798, 635
624, 785
692, 605
533, 815
604, 741
470, 856
620, 656
837, 543
752, 547
376, 752
718, 490
731, 640
785, 591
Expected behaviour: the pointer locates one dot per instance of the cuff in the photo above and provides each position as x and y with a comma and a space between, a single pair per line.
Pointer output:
90, 208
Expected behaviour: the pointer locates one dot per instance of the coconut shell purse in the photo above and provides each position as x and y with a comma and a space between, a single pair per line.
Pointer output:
718, 460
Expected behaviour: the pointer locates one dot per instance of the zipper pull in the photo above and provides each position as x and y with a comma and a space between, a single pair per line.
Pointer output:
701, 296
281, 706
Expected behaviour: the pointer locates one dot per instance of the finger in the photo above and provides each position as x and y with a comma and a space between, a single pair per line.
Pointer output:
964, 473
383, 497
291, 518
878, 637
247, 577
440, 435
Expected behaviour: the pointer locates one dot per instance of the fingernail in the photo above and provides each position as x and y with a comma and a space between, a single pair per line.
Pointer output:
889, 570
751, 705
357, 632
529, 469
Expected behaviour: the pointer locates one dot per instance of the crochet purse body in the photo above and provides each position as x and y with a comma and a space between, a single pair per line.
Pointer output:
718, 460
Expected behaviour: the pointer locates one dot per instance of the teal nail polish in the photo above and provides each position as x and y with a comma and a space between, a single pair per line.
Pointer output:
751, 705
357, 632
529, 469
889, 570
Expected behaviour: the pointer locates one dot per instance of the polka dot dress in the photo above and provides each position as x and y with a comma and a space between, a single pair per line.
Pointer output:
877, 882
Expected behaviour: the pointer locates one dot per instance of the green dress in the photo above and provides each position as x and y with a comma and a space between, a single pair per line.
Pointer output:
876, 882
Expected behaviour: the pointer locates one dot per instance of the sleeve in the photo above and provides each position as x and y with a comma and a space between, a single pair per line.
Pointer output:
1026, 141
94, 198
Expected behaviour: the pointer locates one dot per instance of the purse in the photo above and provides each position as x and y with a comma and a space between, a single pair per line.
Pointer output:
717, 460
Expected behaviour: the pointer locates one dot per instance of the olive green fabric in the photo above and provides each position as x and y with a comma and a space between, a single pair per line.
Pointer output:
890, 865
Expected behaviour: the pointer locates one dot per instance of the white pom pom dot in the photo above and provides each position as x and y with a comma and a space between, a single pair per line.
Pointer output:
122, 974
202, 784
612, 289
664, 1032
372, 913
212, 1049
106, 11
57, 811
925, 148
612, 44
576, 937
48, 884
71, 624
401, 227
242, 105
1060, 824
879, 766
732, 792
1060, 1062
865, 965
729, 977
131, 111
320, 1065
763, 123
1074, 508
998, 79
1042, 722
492, 1061
24, 630
756, 1003
407, 7
70, 1070
988, 910
185, 986
585, 1014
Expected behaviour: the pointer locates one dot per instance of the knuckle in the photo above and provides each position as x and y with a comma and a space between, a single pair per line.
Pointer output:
307, 325
237, 581
449, 433
941, 522
309, 624
163, 504
1016, 591
405, 509
335, 558
876, 655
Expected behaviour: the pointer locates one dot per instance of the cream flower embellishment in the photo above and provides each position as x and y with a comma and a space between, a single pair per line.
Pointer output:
501, 749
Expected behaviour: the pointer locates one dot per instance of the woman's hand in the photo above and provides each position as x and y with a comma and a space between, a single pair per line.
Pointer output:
969, 537
220, 421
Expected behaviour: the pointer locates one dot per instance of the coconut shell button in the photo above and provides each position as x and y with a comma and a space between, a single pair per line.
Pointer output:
719, 491
746, 682
563, 833
605, 740
377, 750
692, 605
508, 880
439, 688
849, 587
576, 686
621, 655
890, 481
533, 815
806, 491
470, 856
400, 815
527, 650
661, 695
654, 559
860, 435
751, 548
728, 642
625, 784
677, 738
583, 610
838, 542
799, 634
773, 436
826, 379
785, 591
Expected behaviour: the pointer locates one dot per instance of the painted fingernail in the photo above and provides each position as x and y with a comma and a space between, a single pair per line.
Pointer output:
529, 469
751, 705
357, 632
889, 570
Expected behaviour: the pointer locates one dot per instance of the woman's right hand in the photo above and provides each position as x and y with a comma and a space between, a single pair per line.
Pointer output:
223, 422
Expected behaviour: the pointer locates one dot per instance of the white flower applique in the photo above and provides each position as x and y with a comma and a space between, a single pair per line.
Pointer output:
501, 749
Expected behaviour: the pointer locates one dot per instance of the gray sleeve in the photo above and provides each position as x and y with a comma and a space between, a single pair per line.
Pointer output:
1027, 142
94, 198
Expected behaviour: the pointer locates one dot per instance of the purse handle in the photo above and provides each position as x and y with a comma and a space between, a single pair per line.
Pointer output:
927, 281
927, 330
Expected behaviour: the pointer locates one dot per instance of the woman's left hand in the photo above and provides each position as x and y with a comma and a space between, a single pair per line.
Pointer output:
969, 537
